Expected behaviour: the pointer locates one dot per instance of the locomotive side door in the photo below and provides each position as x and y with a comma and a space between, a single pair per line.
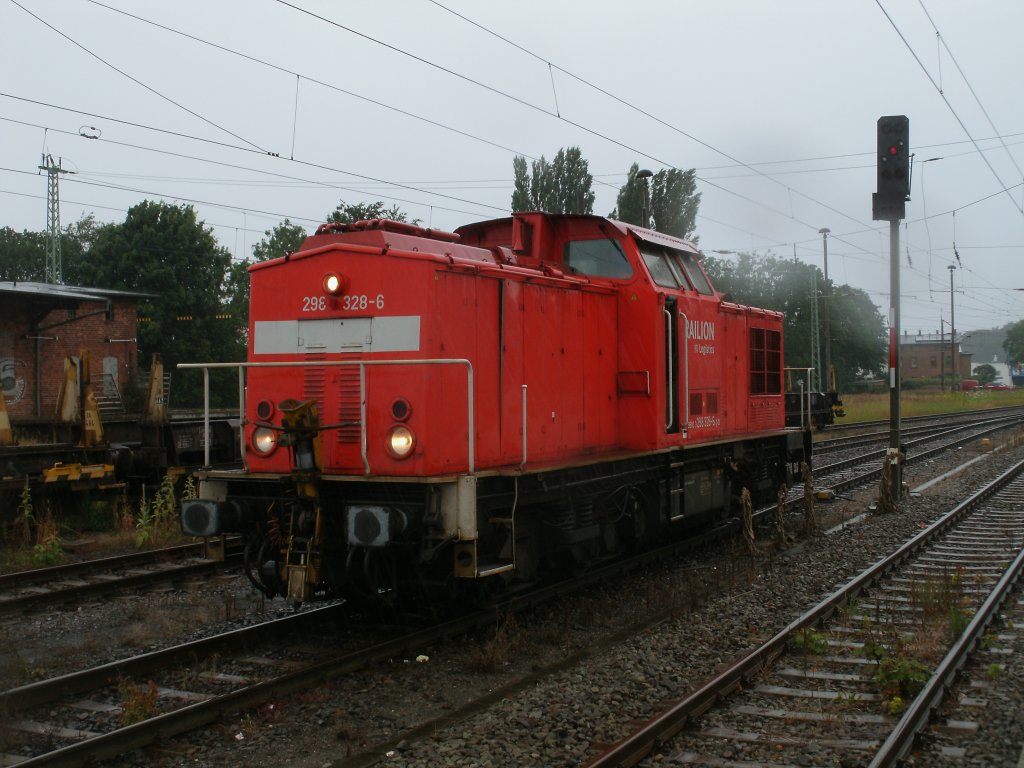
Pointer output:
689, 307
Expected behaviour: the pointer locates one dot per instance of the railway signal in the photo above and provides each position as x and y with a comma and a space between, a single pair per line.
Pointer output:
893, 185
888, 203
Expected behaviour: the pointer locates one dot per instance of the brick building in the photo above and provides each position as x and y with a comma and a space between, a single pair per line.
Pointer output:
930, 356
42, 324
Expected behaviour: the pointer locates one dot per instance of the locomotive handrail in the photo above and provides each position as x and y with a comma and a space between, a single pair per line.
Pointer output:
671, 413
805, 395
524, 428
328, 363
686, 372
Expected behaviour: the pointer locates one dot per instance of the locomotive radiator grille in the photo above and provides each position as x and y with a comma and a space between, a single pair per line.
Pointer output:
349, 409
313, 381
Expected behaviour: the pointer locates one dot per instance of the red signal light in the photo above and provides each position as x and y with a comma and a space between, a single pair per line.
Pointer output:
894, 150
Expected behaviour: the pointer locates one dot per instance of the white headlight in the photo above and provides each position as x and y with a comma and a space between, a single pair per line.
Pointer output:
401, 441
264, 440
333, 283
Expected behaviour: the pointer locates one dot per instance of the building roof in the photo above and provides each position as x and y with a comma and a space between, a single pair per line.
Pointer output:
928, 338
64, 294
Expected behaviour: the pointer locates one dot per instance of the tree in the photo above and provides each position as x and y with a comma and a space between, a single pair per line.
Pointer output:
629, 206
985, 374
22, 255
674, 201
348, 213
282, 239
562, 186
163, 250
858, 330
1013, 344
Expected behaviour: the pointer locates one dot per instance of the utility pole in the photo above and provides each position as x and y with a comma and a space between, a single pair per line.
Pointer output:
815, 341
645, 175
942, 354
53, 271
826, 384
952, 336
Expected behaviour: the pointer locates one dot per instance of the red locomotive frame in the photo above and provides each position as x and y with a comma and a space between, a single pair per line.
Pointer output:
431, 408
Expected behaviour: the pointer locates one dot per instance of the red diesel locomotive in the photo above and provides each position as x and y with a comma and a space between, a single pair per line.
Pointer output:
428, 412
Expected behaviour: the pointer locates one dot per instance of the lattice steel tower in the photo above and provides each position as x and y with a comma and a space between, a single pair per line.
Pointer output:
53, 272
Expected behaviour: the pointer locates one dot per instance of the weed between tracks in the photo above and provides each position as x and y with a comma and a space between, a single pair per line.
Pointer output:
40, 531
138, 703
906, 649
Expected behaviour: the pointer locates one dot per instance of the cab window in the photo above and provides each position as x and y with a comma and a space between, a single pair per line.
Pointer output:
688, 263
661, 269
598, 258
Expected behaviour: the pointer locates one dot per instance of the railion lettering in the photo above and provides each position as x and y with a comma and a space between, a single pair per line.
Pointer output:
700, 330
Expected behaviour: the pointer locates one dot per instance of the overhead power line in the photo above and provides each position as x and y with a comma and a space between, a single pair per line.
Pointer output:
953, 111
134, 79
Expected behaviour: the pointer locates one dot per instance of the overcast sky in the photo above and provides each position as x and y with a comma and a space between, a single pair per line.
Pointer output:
424, 104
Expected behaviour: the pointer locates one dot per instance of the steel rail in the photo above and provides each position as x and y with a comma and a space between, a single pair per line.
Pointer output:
17, 579
916, 718
636, 747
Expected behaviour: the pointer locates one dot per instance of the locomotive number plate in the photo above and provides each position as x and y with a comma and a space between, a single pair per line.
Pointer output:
349, 303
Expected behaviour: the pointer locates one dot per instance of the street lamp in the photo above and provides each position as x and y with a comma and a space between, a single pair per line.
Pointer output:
645, 175
828, 335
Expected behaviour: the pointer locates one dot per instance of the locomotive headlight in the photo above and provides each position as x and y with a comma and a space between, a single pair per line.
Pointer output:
401, 441
333, 283
264, 440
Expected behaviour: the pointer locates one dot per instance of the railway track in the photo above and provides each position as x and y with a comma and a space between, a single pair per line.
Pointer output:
913, 422
865, 466
88, 715
856, 678
915, 429
98, 698
22, 591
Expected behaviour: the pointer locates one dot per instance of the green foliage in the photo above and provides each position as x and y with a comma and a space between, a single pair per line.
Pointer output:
808, 641
562, 186
188, 492
144, 525
859, 339
283, 239
164, 251
629, 205
347, 213
899, 676
157, 518
674, 201
985, 374
23, 254
994, 671
1013, 344
138, 704
47, 553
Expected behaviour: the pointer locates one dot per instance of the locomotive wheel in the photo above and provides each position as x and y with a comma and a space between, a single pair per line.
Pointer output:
264, 569
372, 573
634, 527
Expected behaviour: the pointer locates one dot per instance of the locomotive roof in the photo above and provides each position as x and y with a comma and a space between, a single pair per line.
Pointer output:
641, 233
